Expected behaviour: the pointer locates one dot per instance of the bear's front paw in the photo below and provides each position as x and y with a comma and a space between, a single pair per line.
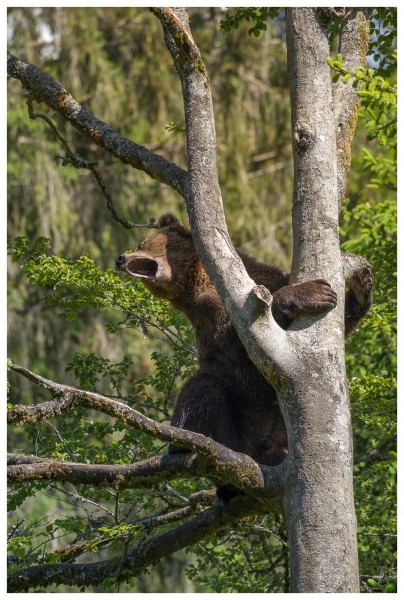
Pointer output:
318, 295
361, 284
309, 297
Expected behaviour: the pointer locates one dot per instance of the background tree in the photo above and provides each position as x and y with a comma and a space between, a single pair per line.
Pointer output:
80, 286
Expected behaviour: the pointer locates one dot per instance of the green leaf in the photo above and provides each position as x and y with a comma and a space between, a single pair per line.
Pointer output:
373, 584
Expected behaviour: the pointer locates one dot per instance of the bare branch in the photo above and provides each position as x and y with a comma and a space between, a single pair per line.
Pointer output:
71, 159
214, 519
19, 414
50, 123
43, 88
146, 473
91, 166
22, 459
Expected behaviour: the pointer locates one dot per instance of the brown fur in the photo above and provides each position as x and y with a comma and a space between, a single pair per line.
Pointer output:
228, 399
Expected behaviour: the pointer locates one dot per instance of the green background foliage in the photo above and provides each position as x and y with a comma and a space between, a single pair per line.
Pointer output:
74, 319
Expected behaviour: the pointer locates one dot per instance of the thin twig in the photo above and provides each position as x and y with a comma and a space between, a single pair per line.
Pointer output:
83, 164
91, 166
139, 557
37, 115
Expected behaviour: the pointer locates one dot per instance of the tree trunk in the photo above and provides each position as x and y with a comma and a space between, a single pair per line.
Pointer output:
318, 498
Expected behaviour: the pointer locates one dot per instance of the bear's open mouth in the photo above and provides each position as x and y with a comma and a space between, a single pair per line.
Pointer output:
146, 268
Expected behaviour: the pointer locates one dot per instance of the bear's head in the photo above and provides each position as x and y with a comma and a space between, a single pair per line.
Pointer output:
164, 261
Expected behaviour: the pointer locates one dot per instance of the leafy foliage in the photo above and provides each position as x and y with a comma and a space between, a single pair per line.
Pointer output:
73, 286
252, 558
371, 364
373, 410
374, 344
257, 16
383, 38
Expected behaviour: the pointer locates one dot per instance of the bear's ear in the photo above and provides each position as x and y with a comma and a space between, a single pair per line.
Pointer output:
168, 219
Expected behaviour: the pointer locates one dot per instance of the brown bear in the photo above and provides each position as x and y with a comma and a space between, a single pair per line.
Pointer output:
228, 399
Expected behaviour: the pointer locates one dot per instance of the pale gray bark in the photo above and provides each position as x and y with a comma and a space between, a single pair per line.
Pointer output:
248, 304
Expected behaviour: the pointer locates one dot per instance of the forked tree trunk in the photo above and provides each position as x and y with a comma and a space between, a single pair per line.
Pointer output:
306, 363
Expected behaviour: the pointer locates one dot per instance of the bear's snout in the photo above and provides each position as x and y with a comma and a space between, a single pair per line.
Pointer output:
120, 261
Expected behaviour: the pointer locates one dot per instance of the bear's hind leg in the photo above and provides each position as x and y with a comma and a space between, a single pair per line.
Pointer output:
203, 407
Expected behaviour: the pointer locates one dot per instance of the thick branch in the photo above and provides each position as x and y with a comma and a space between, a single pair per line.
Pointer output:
204, 202
353, 45
45, 89
146, 473
248, 305
136, 561
220, 462
315, 212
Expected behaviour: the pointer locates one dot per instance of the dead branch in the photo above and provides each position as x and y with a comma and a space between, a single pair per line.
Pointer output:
38, 115
43, 88
71, 159
91, 166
